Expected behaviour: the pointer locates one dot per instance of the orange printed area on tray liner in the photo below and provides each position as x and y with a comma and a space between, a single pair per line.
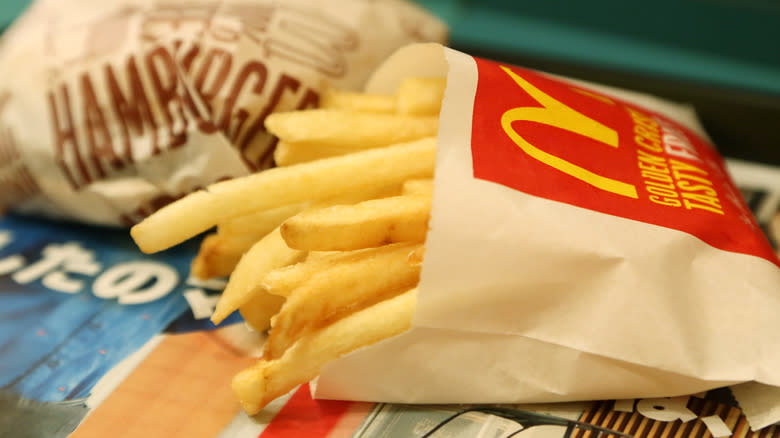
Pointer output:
182, 389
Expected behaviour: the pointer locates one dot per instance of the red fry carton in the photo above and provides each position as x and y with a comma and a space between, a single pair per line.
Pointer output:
585, 243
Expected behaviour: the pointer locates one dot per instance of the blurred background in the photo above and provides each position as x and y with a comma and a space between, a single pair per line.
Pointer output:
723, 56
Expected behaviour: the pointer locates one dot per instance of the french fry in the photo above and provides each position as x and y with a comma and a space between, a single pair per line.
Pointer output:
267, 254
416, 256
174, 223
319, 179
258, 311
341, 289
257, 224
347, 129
417, 186
353, 101
364, 225
219, 254
284, 280
268, 379
289, 153
421, 96
315, 255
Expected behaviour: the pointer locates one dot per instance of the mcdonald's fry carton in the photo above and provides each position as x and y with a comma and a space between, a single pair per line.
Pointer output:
585, 243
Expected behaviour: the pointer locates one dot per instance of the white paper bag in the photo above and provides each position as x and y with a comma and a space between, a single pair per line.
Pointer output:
111, 109
609, 256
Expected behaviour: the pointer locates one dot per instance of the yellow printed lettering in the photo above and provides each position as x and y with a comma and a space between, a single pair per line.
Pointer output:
669, 186
652, 167
705, 189
642, 119
687, 176
679, 166
649, 133
661, 191
656, 176
651, 159
702, 202
651, 145
676, 143
669, 202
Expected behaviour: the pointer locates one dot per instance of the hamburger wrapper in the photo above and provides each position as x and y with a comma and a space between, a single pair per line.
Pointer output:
585, 243
110, 110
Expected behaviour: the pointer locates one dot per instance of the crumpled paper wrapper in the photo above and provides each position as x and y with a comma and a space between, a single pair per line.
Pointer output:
585, 243
110, 110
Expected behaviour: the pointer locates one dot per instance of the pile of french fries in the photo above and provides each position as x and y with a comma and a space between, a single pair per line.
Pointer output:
326, 248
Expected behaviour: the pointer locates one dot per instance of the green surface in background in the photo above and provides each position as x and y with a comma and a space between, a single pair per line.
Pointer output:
721, 56
734, 43
720, 42
9, 10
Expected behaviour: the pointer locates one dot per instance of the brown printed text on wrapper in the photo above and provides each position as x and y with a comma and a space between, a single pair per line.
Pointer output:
141, 102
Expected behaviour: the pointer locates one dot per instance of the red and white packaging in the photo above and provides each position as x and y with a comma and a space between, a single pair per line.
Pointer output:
585, 243
111, 109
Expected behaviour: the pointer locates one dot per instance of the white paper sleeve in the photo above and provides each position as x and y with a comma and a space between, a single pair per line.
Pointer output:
525, 299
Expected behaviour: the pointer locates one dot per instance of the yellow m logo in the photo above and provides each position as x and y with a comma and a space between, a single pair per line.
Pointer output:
556, 114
